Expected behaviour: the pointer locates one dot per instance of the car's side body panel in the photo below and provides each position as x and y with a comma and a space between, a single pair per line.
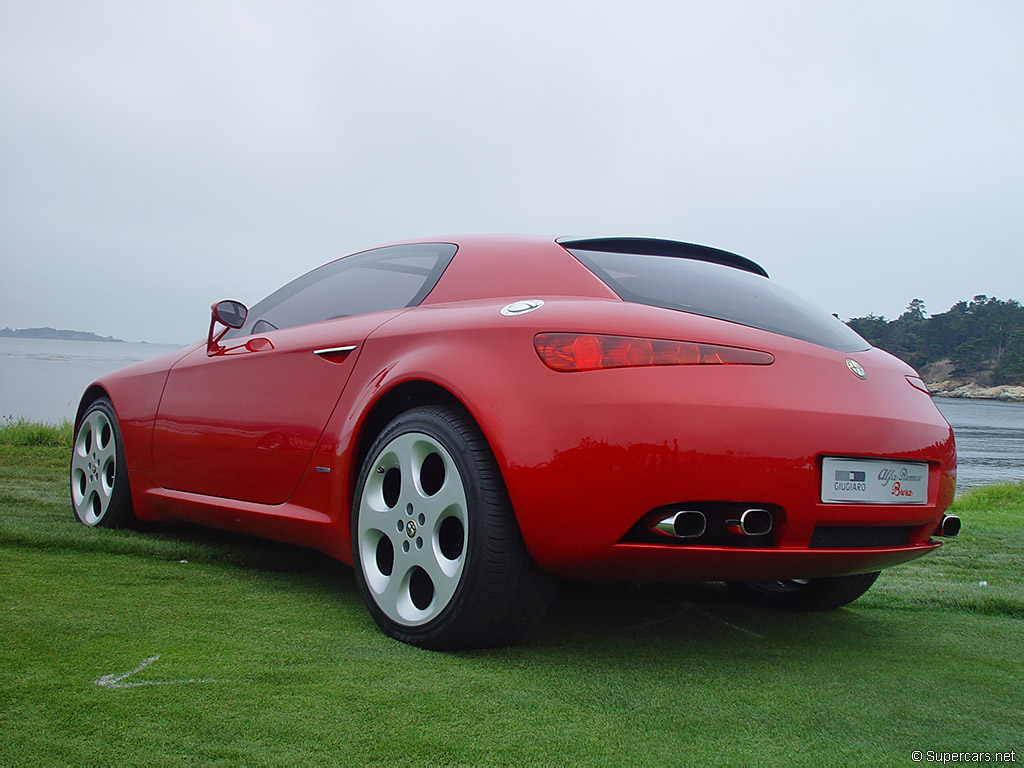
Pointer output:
243, 423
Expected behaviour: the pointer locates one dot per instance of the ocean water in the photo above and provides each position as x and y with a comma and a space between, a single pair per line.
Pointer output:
43, 379
989, 440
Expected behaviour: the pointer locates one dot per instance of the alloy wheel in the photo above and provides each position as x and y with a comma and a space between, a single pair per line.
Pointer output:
93, 468
413, 529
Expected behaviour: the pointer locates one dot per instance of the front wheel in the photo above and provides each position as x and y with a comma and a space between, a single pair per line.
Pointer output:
99, 474
805, 594
437, 553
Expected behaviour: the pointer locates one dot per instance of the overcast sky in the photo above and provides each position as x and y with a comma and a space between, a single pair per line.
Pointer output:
157, 156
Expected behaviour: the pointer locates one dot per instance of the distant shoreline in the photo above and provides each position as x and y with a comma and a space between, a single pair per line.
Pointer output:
962, 389
1002, 394
60, 334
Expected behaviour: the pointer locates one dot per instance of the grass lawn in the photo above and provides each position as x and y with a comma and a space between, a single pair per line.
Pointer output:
266, 656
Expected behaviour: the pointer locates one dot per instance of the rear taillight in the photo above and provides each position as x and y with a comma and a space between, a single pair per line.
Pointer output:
918, 383
589, 352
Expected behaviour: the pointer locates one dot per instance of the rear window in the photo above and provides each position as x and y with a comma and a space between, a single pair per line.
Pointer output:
719, 291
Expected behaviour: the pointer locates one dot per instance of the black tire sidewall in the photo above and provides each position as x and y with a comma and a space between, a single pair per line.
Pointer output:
455, 625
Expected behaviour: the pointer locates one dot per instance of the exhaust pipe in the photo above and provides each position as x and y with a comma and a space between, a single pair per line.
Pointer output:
685, 524
753, 522
950, 526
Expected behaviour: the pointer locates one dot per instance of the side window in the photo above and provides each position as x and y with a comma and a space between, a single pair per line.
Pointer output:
385, 278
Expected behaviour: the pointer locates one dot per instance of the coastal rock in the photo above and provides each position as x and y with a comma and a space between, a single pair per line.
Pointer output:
942, 380
973, 390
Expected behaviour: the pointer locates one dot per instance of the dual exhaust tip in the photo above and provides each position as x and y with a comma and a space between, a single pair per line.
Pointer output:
691, 523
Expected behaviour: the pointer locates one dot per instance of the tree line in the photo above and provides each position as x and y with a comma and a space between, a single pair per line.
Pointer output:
983, 337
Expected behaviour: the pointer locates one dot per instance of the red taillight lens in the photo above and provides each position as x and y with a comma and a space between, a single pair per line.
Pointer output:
587, 352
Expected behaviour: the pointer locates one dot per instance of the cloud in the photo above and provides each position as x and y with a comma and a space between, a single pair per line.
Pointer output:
159, 157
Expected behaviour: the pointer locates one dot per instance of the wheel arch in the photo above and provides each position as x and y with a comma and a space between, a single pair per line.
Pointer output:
92, 393
440, 363
397, 400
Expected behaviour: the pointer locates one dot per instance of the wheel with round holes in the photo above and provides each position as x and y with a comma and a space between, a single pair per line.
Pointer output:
437, 553
806, 594
99, 474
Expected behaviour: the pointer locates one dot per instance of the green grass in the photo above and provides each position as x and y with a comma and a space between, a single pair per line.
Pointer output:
23, 432
929, 659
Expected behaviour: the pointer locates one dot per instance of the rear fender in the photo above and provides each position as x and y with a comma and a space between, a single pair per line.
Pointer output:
382, 370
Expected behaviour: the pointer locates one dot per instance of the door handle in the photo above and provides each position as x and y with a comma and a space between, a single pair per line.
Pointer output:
334, 354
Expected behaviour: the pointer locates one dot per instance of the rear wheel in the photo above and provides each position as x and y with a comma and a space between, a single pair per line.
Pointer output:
437, 552
805, 594
99, 474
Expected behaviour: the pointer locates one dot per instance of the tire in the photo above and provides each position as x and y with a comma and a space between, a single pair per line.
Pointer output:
438, 556
99, 474
805, 594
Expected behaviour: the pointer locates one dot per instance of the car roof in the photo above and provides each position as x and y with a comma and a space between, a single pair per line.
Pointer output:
523, 266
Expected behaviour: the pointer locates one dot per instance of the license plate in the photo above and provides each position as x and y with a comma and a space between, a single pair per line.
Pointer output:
873, 481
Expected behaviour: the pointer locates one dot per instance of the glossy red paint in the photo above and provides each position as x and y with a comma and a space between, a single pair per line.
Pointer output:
266, 437
258, 414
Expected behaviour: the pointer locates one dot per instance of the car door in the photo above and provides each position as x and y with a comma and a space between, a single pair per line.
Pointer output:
242, 422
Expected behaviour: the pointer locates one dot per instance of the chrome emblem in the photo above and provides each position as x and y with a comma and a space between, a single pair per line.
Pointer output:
410, 529
521, 307
856, 368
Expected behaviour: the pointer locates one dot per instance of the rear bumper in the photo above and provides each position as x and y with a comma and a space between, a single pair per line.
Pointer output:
598, 451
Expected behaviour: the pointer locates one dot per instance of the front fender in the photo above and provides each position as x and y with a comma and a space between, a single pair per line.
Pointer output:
135, 392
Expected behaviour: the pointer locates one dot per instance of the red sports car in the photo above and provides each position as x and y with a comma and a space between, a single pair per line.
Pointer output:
466, 419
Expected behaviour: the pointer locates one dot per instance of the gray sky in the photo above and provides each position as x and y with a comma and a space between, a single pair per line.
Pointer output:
155, 157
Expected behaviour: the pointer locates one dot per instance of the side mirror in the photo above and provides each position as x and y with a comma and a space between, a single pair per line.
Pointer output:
229, 313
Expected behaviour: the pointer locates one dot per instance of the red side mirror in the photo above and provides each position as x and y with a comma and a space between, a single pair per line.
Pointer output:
228, 313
